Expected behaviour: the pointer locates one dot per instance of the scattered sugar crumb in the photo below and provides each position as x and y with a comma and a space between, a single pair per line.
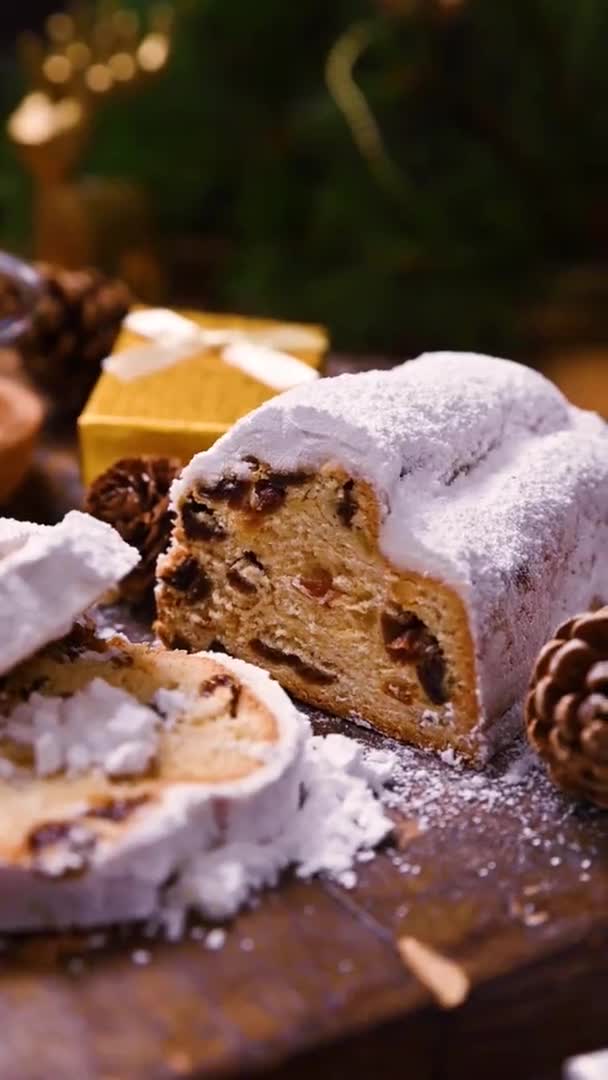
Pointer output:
532, 890
360, 722
340, 815
535, 918
215, 939
141, 957
347, 879
450, 757
365, 856
520, 767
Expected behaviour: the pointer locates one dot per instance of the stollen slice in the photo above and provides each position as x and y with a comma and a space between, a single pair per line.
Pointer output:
120, 761
49, 575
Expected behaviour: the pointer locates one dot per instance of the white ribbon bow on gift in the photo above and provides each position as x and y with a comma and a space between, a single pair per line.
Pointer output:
171, 338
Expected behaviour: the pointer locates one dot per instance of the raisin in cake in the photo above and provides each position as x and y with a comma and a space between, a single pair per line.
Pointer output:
119, 761
396, 546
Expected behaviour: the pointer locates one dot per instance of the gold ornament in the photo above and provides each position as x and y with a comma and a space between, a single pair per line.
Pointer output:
92, 54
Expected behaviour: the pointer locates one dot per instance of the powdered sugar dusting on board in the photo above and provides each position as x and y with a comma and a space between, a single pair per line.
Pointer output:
509, 823
430, 800
359, 792
486, 478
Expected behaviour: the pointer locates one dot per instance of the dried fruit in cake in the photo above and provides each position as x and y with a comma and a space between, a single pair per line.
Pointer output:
567, 706
118, 762
401, 545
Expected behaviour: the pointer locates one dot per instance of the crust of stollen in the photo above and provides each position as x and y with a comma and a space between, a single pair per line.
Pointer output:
459, 726
138, 831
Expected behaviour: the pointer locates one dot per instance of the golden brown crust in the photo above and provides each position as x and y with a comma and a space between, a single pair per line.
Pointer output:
296, 583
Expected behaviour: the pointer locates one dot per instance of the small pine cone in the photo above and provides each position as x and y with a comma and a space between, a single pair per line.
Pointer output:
567, 706
11, 302
133, 496
73, 327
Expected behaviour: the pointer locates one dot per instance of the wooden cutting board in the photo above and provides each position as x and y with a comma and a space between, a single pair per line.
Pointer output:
497, 873
506, 879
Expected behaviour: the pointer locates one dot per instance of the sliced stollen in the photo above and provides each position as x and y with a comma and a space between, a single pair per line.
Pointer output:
49, 575
120, 761
396, 546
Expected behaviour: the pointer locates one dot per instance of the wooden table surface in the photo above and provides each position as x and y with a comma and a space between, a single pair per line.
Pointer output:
497, 872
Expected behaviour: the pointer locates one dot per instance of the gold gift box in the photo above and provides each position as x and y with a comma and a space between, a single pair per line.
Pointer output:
186, 406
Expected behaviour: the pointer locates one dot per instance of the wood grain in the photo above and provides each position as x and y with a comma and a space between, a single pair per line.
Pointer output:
310, 982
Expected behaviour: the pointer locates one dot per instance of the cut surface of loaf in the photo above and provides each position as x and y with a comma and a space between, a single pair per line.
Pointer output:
81, 847
395, 546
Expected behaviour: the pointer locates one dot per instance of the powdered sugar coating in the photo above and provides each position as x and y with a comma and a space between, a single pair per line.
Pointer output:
338, 815
100, 726
486, 478
49, 575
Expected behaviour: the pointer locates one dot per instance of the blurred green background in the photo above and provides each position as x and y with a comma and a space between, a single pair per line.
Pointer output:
413, 173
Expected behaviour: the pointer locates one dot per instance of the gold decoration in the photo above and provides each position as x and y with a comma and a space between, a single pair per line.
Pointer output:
92, 54
350, 99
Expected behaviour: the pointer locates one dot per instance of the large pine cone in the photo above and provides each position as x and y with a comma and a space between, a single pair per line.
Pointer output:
133, 496
567, 707
73, 327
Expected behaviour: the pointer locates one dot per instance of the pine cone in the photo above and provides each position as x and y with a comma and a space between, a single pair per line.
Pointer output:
567, 707
133, 496
11, 302
73, 327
